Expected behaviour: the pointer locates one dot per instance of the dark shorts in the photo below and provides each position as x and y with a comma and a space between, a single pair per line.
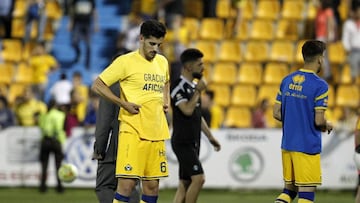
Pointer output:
188, 158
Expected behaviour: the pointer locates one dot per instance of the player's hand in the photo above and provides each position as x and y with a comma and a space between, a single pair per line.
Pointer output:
215, 144
166, 108
131, 107
97, 156
201, 85
329, 127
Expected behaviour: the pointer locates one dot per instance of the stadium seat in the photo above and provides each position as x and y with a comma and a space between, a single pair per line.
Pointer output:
274, 72
12, 50
250, 73
20, 7
53, 9
244, 95
224, 73
194, 8
209, 49
287, 30
331, 96
223, 9
238, 117
15, 90
311, 10
262, 30
230, 50
337, 53
221, 94
268, 9
49, 31
298, 54
282, 51
27, 50
256, 51
242, 32
345, 75
347, 95
7, 73
248, 9
269, 92
24, 74
18, 27
293, 9
192, 25
211, 29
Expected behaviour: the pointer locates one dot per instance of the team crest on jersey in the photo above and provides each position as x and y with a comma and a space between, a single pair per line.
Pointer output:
128, 167
298, 79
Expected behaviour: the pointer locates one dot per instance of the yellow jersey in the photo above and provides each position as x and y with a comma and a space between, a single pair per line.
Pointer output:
141, 82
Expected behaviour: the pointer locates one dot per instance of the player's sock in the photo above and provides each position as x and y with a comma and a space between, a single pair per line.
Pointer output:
120, 198
306, 197
148, 199
286, 196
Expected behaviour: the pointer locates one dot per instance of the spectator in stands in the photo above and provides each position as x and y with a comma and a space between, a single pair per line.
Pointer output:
128, 40
61, 91
35, 13
6, 8
71, 118
258, 116
28, 108
51, 125
7, 116
173, 10
83, 21
209, 8
81, 95
42, 64
238, 5
211, 112
325, 30
351, 41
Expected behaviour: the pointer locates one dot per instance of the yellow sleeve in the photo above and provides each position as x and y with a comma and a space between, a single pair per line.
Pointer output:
114, 72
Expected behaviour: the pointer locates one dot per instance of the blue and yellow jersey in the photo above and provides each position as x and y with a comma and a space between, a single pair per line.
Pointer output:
300, 94
141, 82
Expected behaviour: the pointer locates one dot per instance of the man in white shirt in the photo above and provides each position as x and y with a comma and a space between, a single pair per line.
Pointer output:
351, 41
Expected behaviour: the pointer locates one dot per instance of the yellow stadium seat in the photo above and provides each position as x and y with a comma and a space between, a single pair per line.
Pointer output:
53, 9
298, 54
331, 96
4, 89
250, 73
256, 51
274, 72
248, 9
211, 29
221, 94
28, 49
268, 9
347, 95
12, 50
192, 25
6, 73
244, 95
238, 117
337, 53
20, 7
242, 32
15, 90
49, 31
24, 73
262, 30
269, 92
287, 30
230, 50
293, 9
223, 9
194, 8
311, 10
224, 73
18, 27
208, 48
282, 51
343, 10
345, 75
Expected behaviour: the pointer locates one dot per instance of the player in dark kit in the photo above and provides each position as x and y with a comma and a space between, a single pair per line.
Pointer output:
187, 126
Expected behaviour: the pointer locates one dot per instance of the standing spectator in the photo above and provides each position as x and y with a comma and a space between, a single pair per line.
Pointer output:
351, 42
300, 106
61, 91
211, 112
35, 12
6, 8
82, 22
325, 31
187, 126
128, 39
28, 108
51, 125
258, 116
71, 117
144, 99
7, 116
42, 64
209, 8
81, 95
105, 148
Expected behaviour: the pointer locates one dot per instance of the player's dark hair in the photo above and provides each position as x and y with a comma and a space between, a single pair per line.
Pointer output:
311, 49
152, 28
190, 55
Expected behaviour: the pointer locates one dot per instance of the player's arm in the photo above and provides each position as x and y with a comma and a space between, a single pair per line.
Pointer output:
277, 111
321, 122
205, 128
166, 92
100, 88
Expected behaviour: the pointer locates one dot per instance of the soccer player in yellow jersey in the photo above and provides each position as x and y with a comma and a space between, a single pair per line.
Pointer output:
143, 76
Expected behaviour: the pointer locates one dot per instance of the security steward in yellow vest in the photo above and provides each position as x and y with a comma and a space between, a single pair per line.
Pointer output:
53, 137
